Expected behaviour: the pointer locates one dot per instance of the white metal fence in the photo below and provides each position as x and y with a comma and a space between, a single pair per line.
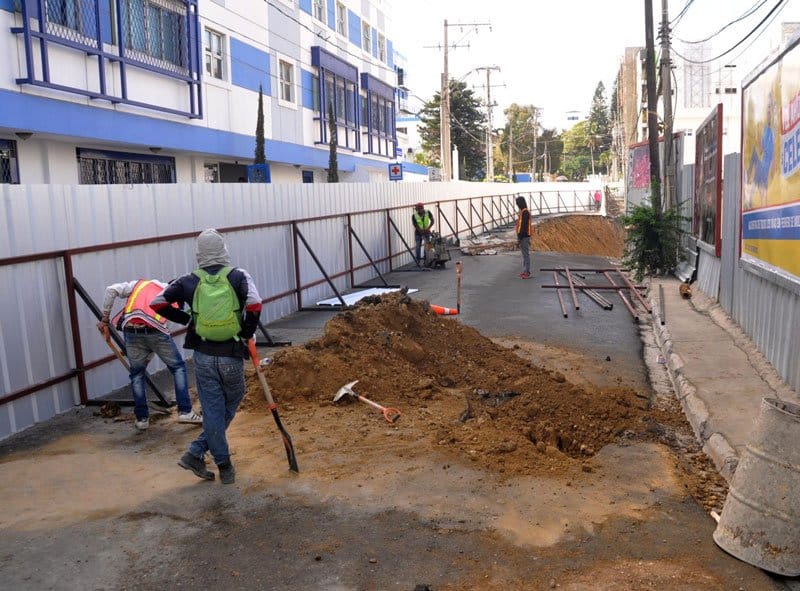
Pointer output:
50, 355
764, 304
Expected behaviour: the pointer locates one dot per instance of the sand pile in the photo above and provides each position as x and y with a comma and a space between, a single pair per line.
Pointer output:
580, 235
513, 414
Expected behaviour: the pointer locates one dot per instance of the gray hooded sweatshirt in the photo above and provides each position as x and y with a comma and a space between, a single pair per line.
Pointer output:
211, 249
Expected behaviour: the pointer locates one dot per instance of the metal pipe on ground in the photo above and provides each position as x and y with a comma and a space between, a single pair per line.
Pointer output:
593, 295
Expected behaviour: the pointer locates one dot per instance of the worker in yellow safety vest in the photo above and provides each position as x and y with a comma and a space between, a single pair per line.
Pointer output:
423, 222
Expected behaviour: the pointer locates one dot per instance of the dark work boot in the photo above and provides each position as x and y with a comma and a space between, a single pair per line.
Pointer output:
227, 473
196, 465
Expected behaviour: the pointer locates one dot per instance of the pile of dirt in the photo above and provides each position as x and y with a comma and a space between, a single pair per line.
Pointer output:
577, 234
514, 415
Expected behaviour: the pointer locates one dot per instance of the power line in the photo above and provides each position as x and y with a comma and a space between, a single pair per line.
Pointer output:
677, 19
742, 40
749, 12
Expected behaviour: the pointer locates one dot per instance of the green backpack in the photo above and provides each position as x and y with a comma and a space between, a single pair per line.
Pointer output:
215, 307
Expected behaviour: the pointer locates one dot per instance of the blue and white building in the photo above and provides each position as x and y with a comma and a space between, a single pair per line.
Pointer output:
165, 91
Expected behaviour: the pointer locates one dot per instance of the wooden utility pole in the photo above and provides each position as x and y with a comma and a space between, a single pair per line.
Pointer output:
666, 85
652, 108
535, 136
489, 147
445, 148
510, 151
444, 117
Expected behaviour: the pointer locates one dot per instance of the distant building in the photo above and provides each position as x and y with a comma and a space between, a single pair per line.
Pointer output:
165, 91
569, 118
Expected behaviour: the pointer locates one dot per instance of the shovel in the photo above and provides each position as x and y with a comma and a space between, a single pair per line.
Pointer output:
287, 441
390, 414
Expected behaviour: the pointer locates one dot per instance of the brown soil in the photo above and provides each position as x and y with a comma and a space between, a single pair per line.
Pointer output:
593, 235
461, 391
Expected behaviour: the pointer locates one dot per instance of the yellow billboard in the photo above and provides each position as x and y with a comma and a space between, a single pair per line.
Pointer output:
771, 166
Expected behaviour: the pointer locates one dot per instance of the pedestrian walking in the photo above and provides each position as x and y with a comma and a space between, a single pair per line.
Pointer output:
598, 199
524, 232
225, 309
146, 333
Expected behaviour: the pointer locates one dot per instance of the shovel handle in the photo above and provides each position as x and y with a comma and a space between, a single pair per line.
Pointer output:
390, 414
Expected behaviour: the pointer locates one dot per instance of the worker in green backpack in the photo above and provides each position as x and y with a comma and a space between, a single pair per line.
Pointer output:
225, 308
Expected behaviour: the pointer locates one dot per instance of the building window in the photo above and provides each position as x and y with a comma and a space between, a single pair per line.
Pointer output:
287, 81
341, 19
308, 176
155, 29
213, 44
9, 169
366, 36
377, 122
211, 172
319, 10
66, 13
118, 168
381, 47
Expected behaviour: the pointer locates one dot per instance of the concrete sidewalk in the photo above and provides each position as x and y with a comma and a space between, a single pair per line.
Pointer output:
717, 373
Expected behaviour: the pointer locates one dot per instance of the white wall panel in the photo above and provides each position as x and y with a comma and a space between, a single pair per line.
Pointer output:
35, 330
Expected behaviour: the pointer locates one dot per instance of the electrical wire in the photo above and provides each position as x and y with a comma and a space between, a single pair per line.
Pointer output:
677, 19
742, 40
749, 12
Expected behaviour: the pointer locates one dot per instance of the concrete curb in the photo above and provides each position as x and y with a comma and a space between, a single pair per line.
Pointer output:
715, 445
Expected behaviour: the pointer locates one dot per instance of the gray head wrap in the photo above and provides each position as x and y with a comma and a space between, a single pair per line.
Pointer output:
211, 249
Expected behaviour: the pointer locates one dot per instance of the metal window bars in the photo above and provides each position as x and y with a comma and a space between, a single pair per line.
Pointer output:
160, 36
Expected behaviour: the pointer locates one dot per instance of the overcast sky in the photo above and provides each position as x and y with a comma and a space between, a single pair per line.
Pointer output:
552, 53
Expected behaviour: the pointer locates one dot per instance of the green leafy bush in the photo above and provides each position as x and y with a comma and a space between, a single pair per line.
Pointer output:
651, 247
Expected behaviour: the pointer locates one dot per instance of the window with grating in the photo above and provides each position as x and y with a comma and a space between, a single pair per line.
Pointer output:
9, 169
155, 32
74, 20
119, 168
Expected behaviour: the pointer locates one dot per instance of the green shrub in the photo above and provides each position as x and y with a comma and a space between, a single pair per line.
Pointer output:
651, 246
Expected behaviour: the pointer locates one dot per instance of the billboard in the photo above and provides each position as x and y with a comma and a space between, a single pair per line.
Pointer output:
706, 216
770, 169
637, 181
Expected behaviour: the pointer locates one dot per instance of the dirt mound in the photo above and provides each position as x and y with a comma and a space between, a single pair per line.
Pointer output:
580, 235
514, 415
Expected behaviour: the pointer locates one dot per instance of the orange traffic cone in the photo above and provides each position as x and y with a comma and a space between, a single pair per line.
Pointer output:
442, 311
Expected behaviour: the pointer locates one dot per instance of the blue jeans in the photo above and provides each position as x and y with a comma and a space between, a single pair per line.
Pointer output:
139, 348
418, 239
525, 248
220, 387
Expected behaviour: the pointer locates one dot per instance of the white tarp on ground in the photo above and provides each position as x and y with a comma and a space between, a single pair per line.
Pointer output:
352, 298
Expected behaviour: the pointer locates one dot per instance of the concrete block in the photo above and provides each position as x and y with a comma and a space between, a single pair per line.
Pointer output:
684, 387
697, 414
722, 453
675, 363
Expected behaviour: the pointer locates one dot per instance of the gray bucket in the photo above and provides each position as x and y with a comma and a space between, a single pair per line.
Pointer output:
760, 522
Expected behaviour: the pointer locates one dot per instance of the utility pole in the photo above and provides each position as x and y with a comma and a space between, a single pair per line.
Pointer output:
510, 151
535, 136
444, 116
489, 147
652, 108
666, 85
444, 106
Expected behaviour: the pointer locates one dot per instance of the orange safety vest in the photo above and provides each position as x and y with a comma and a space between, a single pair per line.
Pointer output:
519, 222
137, 307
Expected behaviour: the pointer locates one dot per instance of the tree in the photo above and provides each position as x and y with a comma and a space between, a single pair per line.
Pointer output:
333, 163
467, 129
577, 162
521, 122
599, 131
260, 156
550, 149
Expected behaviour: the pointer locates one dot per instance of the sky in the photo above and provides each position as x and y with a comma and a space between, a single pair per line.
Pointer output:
552, 53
